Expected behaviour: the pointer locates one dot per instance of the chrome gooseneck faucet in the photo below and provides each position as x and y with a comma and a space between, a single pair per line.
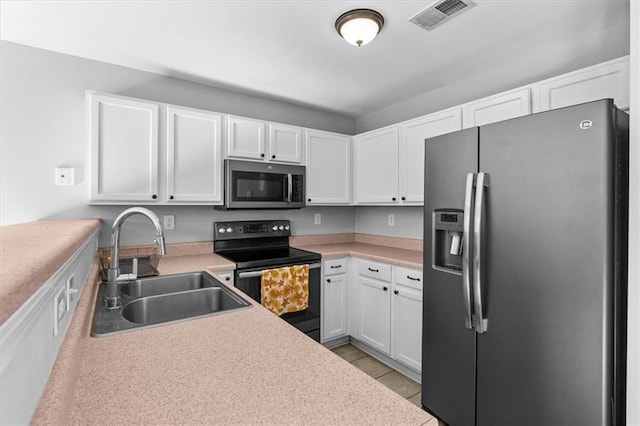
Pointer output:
113, 298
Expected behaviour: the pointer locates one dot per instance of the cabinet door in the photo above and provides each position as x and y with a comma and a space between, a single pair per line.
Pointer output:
328, 168
412, 141
245, 138
607, 80
376, 167
285, 143
194, 162
375, 313
124, 149
334, 315
502, 106
406, 326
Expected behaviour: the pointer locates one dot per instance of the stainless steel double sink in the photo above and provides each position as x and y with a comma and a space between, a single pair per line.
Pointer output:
164, 299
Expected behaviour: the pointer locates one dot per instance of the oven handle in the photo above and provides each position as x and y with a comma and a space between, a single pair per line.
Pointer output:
251, 274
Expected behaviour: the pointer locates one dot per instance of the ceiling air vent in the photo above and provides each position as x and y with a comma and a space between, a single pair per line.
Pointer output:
440, 12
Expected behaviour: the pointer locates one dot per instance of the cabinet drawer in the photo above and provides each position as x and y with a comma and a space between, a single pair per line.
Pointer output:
335, 266
409, 277
375, 270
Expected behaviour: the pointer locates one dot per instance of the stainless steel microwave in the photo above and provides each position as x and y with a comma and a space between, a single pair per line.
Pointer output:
256, 185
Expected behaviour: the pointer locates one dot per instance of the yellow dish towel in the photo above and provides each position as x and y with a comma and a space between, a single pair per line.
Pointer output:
285, 289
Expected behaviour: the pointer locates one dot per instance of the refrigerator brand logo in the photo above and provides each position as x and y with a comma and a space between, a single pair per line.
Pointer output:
586, 124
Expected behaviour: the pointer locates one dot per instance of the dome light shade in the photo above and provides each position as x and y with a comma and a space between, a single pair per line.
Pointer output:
359, 26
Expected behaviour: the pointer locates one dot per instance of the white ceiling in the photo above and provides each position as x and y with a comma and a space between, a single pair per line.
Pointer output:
289, 50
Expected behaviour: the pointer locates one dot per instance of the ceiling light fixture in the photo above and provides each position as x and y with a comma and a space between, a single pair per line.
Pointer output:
359, 26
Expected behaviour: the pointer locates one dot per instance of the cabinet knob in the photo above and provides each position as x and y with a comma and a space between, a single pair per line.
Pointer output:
227, 278
308, 200
393, 199
262, 155
328, 280
385, 288
273, 156
171, 197
403, 198
154, 196
395, 291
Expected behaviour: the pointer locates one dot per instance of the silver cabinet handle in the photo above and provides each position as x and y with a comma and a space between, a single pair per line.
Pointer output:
481, 322
466, 248
250, 274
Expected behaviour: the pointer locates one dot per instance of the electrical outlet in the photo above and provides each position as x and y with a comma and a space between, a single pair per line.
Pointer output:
59, 308
317, 219
392, 220
65, 176
169, 222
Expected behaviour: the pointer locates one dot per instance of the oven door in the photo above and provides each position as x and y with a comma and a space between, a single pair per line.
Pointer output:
307, 321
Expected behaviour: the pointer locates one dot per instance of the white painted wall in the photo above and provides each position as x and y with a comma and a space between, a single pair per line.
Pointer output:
42, 111
633, 324
375, 220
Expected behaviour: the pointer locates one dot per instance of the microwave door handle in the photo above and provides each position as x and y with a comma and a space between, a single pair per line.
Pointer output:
289, 187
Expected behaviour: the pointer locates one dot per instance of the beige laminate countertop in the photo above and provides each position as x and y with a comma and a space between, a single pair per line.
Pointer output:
244, 367
32, 252
393, 255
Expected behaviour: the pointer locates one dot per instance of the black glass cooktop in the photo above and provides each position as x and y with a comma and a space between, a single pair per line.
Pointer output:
254, 258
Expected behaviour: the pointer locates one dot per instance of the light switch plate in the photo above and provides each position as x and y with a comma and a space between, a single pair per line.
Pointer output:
59, 308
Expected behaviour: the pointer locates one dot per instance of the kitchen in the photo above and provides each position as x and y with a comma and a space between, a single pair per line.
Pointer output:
43, 116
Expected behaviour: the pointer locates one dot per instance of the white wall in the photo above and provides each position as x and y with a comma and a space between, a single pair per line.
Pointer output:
42, 116
375, 220
633, 324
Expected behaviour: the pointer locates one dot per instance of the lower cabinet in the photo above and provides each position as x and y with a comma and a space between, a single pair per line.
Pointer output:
334, 299
389, 311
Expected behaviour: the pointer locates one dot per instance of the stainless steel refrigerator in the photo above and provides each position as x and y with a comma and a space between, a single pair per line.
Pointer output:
525, 240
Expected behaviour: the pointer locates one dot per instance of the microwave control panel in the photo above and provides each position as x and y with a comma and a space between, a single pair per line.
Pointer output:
251, 229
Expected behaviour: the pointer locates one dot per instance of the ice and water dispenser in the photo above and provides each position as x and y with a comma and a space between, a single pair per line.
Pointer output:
447, 240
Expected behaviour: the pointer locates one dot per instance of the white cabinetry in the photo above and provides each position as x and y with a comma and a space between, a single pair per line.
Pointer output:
389, 311
285, 143
247, 138
124, 149
194, 162
406, 317
376, 166
412, 141
374, 325
328, 179
334, 299
607, 80
502, 106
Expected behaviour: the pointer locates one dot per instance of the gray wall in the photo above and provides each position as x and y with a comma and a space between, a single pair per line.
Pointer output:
42, 116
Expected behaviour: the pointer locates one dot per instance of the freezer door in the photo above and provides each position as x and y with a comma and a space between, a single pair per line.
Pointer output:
546, 357
448, 349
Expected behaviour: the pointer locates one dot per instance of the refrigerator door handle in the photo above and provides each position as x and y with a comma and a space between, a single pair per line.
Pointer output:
466, 249
481, 183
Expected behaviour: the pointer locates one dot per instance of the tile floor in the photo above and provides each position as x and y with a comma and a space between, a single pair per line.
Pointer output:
386, 375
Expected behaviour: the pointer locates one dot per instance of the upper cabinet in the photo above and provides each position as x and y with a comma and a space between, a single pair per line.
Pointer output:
124, 149
607, 80
328, 159
285, 143
376, 166
389, 162
247, 138
412, 141
194, 156
492, 109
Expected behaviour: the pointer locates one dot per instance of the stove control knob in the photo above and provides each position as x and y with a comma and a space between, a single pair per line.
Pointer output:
275, 227
229, 229
222, 230
281, 228
286, 227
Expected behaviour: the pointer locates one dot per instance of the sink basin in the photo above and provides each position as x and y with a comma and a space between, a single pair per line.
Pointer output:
150, 302
176, 306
